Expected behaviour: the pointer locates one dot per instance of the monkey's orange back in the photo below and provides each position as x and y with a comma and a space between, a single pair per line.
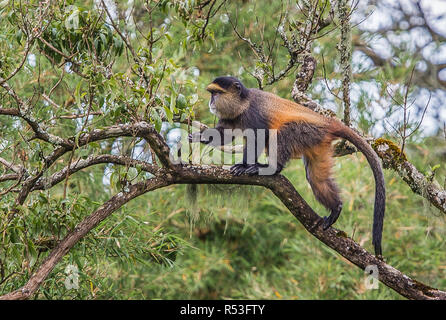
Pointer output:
283, 111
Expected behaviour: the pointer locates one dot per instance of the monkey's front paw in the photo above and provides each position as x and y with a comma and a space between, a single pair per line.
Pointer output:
240, 168
196, 137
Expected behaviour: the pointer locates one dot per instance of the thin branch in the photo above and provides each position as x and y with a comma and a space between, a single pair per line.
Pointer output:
23, 112
325, 79
22, 62
15, 168
9, 176
344, 48
55, 178
76, 66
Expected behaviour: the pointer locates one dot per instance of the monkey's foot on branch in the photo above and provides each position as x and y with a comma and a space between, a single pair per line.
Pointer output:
249, 169
241, 168
331, 219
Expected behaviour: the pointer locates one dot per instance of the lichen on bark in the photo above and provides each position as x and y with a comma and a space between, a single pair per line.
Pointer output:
390, 153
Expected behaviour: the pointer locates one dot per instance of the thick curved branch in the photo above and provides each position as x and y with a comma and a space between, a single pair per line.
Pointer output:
140, 129
174, 174
279, 185
332, 237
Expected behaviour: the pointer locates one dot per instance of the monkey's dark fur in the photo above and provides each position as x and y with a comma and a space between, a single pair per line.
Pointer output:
301, 133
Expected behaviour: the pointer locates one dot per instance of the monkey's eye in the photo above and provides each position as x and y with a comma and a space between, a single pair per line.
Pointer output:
214, 96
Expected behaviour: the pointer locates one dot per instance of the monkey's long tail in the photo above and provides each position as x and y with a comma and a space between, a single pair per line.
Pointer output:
345, 132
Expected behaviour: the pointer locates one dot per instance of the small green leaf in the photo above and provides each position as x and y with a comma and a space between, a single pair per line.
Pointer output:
32, 253
155, 117
181, 101
169, 114
173, 102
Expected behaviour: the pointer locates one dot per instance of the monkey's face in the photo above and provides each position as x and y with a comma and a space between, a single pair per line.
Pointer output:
225, 103
218, 103
212, 106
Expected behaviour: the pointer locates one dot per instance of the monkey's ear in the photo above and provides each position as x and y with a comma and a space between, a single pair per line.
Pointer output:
238, 86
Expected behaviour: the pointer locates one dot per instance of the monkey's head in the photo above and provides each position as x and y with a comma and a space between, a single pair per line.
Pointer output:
228, 97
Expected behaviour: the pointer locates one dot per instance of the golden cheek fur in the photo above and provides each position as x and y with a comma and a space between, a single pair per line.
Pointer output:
226, 107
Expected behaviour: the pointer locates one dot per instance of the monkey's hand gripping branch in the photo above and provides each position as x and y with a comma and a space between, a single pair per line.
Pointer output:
237, 169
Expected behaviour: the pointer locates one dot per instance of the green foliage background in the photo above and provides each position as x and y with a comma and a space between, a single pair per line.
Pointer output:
235, 242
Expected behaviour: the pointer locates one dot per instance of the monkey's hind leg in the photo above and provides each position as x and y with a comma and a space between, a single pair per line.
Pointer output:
318, 166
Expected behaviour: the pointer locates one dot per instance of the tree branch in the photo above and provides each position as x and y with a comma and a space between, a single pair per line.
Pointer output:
15, 168
23, 111
393, 158
76, 166
344, 48
279, 185
9, 176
